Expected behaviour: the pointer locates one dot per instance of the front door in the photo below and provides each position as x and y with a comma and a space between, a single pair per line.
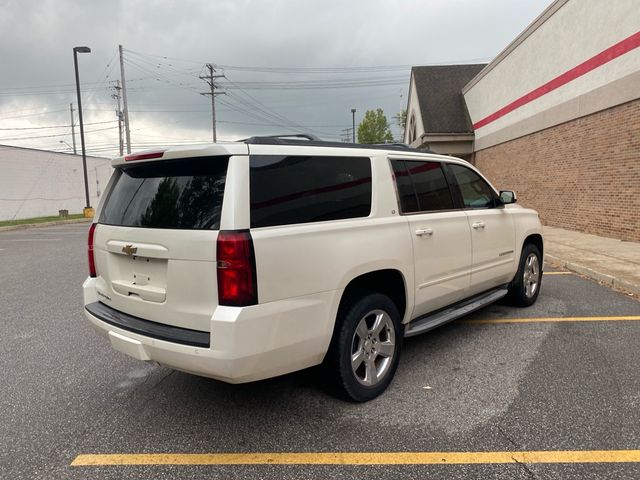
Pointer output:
492, 231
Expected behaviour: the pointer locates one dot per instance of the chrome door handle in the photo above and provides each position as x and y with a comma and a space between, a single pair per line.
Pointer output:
478, 225
424, 231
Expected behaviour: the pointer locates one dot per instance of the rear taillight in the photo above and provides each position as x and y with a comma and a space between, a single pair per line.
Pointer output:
236, 269
92, 262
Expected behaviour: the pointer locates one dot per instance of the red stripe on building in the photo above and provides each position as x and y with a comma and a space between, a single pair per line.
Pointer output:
594, 62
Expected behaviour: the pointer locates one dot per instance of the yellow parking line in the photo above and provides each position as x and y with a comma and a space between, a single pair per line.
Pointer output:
551, 320
364, 458
558, 273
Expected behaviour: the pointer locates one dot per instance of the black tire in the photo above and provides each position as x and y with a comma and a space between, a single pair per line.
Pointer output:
526, 285
380, 352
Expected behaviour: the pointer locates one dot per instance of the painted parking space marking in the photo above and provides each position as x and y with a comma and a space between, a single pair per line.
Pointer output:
550, 320
363, 458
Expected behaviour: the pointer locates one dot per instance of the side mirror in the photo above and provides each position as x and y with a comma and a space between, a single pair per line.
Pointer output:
507, 197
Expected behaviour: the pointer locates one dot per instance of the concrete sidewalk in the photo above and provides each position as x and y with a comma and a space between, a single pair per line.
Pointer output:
613, 262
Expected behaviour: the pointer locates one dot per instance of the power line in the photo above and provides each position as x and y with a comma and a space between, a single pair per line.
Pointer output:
34, 114
49, 92
264, 107
141, 58
54, 126
319, 70
51, 136
258, 110
53, 85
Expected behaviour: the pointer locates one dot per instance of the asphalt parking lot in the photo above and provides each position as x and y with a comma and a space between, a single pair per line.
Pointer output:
552, 391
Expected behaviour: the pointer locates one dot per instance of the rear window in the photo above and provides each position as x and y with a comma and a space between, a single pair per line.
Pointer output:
177, 194
303, 189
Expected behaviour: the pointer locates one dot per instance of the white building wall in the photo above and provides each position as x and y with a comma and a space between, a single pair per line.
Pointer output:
567, 34
36, 183
413, 111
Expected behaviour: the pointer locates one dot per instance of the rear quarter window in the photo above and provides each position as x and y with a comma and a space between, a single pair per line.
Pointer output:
287, 190
175, 194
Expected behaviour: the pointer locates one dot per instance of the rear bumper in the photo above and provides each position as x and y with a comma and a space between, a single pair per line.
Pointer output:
184, 336
245, 343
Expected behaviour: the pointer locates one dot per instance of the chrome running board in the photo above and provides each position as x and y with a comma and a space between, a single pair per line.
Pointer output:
433, 320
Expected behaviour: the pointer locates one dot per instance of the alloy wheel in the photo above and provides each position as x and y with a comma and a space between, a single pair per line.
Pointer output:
373, 347
531, 275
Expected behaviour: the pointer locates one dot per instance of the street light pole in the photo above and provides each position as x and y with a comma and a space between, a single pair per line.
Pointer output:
353, 117
77, 50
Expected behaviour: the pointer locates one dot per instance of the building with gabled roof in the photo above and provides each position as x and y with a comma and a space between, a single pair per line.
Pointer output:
437, 117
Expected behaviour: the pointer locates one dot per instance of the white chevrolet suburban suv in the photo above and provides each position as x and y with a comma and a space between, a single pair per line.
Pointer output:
246, 260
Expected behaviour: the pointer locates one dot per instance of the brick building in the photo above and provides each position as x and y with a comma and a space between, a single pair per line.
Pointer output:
556, 117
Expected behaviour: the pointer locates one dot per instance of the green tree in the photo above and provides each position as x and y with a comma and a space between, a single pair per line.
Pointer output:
374, 128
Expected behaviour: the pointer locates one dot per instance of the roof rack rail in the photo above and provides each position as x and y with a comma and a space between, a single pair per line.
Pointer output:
313, 141
392, 144
296, 136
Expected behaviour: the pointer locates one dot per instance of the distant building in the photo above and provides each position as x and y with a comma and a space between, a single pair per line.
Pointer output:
556, 116
38, 183
437, 117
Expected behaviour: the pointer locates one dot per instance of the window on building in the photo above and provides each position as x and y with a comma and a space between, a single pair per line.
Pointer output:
412, 128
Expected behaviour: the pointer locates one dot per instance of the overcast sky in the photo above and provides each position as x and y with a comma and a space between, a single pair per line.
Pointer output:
290, 66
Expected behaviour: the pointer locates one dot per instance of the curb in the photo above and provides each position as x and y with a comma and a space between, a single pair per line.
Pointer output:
603, 278
44, 224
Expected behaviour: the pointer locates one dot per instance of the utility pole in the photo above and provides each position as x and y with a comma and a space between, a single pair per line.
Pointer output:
210, 79
353, 117
73, 130
124, 101
87, 209
116, 95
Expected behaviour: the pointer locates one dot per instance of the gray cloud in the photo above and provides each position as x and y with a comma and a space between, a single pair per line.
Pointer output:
37, 81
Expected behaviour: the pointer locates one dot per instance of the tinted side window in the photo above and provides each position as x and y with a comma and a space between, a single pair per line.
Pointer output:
422, 186
476, 193
181, 194
406, 192
291, 190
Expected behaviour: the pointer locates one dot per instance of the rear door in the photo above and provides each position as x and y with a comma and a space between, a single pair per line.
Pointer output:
440, 234
309, 219
155, 242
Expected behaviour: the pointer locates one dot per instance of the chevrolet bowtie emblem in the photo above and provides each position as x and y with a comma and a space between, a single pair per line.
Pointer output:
129, 249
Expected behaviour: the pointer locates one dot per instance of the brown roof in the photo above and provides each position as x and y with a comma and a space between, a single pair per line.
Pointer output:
439, 90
